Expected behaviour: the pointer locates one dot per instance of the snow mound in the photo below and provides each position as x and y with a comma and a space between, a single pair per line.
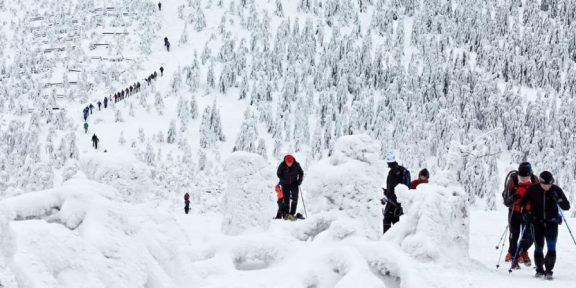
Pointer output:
349, 181
435, 225
80, 235
247, 203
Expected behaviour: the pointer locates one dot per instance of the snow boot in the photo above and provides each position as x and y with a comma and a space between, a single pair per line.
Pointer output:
299, 216
291, 217
509, 257
525, 259
539, 273
548, 275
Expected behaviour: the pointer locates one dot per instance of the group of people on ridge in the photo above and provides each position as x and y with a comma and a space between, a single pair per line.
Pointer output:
534, 214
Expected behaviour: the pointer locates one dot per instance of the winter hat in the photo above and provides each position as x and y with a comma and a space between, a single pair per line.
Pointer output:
424, 172
546, 178
390, 157
289, 159
524, 169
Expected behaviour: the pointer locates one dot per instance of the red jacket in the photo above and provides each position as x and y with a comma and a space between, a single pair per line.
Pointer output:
416, 182
279, 193
521, 190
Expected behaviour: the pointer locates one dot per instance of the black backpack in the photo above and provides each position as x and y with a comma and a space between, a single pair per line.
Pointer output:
508, 194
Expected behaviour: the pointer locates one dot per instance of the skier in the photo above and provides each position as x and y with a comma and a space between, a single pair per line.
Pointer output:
95, 141
544, 200
161, 71
167, 44
186, 203
280, 196
105, 102
85, 127
517, 184
99, 105
291, 176
91, 107
423, 177
397, 175
159, 6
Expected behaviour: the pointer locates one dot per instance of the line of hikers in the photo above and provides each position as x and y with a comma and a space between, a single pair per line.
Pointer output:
118, 96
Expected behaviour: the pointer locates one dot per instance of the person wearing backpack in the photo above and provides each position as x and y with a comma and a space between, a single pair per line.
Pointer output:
517, 183
186, 203
423, 177
291, 175
540, 208
397, 175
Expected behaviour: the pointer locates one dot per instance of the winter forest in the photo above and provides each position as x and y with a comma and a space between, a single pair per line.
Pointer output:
465, 88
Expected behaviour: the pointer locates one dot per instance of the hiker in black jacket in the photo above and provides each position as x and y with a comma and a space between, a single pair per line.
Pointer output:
397, 175
540, 209
291, 176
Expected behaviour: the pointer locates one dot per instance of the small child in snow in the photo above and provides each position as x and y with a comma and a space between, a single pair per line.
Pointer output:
280, 196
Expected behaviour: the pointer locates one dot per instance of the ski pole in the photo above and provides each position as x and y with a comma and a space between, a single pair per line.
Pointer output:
567, 226
522, 231
502, 240
303, 204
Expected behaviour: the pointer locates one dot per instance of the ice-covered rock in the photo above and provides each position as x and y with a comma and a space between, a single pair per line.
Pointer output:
349, 181
248, 198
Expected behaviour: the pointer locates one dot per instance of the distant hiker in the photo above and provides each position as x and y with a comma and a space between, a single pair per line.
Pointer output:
161, 71
115, 98
99, 105
186, 203
85, 114
280, 201
91, 107
423, 177
131, 89
159, 6
95, 141
517, 183
155, 74
127, 92
544, 201
397, 175
291, 176
138, 86
105, 102
85, 127
167, 44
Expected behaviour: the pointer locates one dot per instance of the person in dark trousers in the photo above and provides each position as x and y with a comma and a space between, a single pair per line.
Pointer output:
186, 203
161, 71
91, 107
95, 141
85, 114
544, 200
291, 175
86, 127
517, 185
105, 102
280, 201
159, 6
154, 75
167, 44
393, 209
99, 105
423, 177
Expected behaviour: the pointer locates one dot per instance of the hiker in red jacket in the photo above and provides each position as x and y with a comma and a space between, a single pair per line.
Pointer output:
280, 198
423, 177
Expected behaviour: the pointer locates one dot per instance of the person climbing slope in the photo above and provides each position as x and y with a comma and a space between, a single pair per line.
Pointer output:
291, 175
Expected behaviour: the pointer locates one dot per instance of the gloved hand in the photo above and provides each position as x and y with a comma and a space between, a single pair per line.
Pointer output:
527, 217
398, 211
